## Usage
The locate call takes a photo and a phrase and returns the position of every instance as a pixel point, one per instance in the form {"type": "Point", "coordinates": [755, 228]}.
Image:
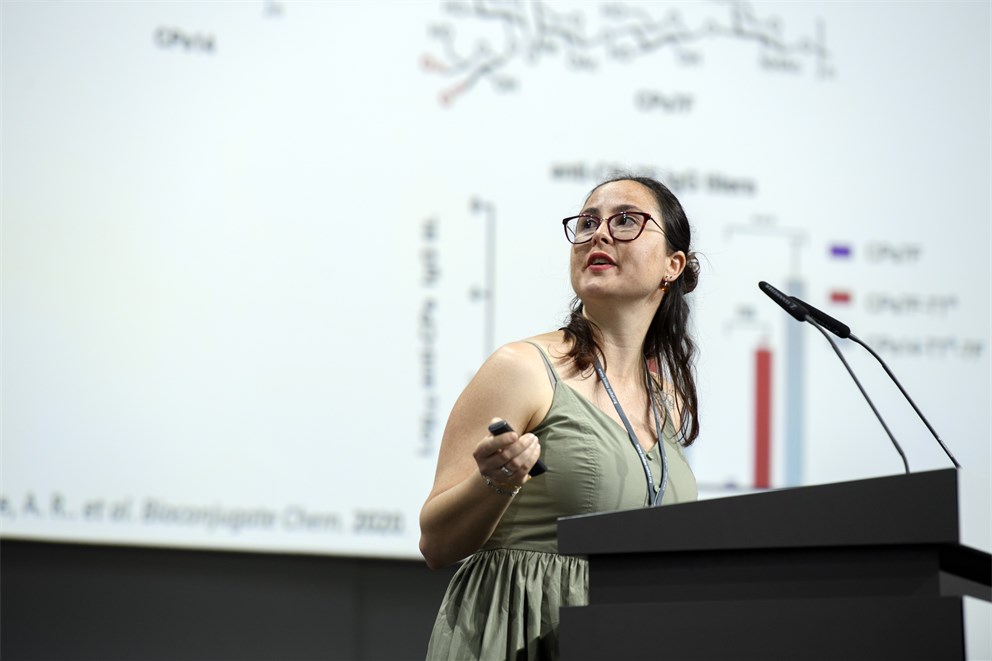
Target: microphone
{"type": "Point", "coordinates": [798, 309]}
{"type": "Point", "coordinates": [842, 331]}
{"type": "Point", "coordinates": [787, 303]}
{"type": "Point", "coordinates": [839, 329]}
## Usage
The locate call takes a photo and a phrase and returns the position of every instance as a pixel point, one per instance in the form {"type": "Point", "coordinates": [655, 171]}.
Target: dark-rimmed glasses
{"type": "Point", "coordinates": [624, 226]}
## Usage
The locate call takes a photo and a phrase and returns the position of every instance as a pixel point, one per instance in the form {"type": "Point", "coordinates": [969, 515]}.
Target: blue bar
{"type": "Point", "coordinates": [794, 392]}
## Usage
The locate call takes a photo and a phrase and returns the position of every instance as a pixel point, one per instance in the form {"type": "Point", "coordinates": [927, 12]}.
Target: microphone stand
{"type": "Point", "coordinates": [906, 395]}
{"type": "Point", "coordinates": [842, 331]}
{"type": "Point", "coordinates": [836, 349]}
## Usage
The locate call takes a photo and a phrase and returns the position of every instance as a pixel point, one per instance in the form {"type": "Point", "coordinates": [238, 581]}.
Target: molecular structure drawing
{"type": "Point", "coordinates": [481, 39]}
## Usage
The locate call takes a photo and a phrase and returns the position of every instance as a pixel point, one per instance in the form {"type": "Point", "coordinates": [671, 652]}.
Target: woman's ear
{"type": "Point", "coordinates": [674, 265]}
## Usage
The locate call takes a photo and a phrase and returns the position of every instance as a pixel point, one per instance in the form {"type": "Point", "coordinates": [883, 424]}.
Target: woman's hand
{"type": "Point", "coordinates": [508, 457]}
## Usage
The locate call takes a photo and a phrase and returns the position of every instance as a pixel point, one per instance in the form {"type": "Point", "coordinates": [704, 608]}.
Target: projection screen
{"type": "Point", "coordinates": [253, 251]}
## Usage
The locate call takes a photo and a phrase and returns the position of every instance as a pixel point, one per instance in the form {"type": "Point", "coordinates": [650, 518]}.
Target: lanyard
{"type": "Point", "coordinates": [654, 499]}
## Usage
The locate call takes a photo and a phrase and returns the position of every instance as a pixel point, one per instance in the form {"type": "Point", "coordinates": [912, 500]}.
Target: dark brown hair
{"type": "Point", "coordinates": [667, 340]}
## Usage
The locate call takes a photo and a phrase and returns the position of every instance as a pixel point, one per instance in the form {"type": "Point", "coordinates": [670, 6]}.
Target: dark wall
{"type": "Point", "coordinates": [70, 601]}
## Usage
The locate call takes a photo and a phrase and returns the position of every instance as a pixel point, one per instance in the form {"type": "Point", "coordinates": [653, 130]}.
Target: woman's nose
{"type": "Point", "coordinates": [602, 233]}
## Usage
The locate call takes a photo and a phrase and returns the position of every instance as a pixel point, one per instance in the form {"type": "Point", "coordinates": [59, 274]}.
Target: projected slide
{"type": "Point", "coordinates": [253, 251]}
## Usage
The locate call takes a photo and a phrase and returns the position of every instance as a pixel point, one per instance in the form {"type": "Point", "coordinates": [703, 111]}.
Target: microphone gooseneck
{"type": "Point", "coordinates": [842, 331]}
{"type": "Point", "coordinates": [800, 312]}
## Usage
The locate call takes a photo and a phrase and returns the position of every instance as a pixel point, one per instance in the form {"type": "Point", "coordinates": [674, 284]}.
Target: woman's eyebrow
{"type": "Point", "coordinates": [620, 208]}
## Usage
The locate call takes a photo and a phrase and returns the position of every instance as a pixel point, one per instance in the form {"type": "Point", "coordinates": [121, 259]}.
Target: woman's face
{"type": "Point", "coordinates": [604, 267]}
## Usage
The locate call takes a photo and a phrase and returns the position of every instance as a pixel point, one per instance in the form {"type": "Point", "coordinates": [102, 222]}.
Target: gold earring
{"type": "Point", "coordinates": [664, 285]}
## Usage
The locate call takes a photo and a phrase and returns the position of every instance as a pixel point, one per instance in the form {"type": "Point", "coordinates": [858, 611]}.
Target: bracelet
{"type": "Point", "coordinates": [510, 490]}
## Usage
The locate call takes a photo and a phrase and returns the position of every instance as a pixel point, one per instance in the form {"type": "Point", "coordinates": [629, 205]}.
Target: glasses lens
{"type": "Point", "coordinates": [627, 225]}
{"type": "Point", "coordinates": [581, 228]}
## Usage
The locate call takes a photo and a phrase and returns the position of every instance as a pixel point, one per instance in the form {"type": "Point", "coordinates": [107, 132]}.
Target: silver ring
{"type": "Point", "coordinates": [506, 471]}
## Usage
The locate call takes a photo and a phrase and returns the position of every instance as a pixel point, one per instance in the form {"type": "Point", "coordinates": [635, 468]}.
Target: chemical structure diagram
{"type": "Point", "coordinates": [482, 39]}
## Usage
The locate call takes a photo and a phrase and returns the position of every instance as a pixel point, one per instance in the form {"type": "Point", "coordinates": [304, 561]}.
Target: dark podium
{"type": "Point", "coordinates": [869, 569]}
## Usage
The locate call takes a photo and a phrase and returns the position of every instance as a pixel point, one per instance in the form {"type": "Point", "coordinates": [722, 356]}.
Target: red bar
{"type": "Point", "coordinates": [838, 296]}
{"type": "Point", "coordinates": [762, 418]}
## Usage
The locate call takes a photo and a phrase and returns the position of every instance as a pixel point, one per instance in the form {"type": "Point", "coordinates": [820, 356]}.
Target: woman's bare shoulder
{"type": "Point", "coordinates": [554, 345]}
{"type": "Point", "coordinates": [519, 359]}
{"type": "Point", "coordinates": [520, 367]}
{"type": "Point", "coordinates": [525, 351]}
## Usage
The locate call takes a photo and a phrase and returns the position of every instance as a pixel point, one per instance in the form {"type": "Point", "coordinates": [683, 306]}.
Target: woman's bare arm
{"type": "Point", "coordinates": [462, 511]}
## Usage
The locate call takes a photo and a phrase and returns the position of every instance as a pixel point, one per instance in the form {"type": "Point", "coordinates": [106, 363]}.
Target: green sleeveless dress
{"type": "Point", "coordinates": [503, 601]}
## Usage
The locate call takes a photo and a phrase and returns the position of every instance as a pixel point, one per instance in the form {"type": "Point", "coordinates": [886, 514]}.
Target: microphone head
{"type": "Point", "coordinates": [836, 327]}
{"type": "Point", "coordinates": [785, 302]}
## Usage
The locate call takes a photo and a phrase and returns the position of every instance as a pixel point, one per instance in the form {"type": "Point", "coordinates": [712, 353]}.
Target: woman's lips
{"type": "Point", "coordinates": [599, 261]}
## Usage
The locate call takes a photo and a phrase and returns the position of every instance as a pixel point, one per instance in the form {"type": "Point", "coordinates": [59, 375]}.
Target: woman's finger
{"type": "Point", "coordinates": [519, 455]}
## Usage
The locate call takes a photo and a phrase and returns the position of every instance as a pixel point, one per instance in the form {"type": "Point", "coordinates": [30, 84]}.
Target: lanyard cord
{"type": "Point", "coordinates": [654, 499]}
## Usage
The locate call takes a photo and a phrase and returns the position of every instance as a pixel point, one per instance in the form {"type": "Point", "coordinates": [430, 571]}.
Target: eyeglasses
{"type": "Point", "coordinates": [624, 226]}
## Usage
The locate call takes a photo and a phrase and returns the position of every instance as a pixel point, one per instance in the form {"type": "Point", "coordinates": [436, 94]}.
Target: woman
{"type": "Point", "coordinates": [607, 403]}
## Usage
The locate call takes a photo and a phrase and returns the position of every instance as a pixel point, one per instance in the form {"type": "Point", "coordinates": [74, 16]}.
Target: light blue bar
{"type": "Point", "coordinates": [794, 392]}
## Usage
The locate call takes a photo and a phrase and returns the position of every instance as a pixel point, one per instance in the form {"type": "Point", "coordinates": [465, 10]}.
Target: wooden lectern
{"type": "Point", "coordinates": [870, 569]}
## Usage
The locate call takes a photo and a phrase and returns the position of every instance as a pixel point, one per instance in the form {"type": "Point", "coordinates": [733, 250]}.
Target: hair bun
{"type": "Point", "coordinates": [690, 274]}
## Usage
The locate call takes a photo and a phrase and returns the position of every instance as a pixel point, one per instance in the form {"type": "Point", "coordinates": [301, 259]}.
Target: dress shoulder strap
{"type": "Point", "coordinates": [552, 374]}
